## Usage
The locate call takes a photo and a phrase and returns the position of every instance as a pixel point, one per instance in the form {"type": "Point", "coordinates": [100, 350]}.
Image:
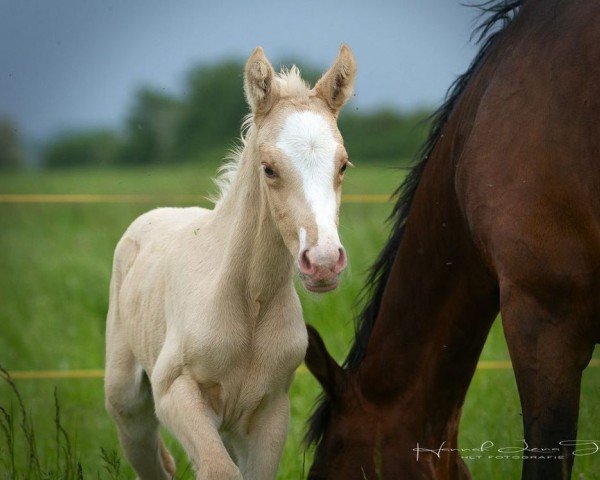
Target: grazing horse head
{"type": "Point", "coordinates": [349, 437]}
{"type": "Point", "coordinates": [302, 159]}
{"type": "Point", "coordinates": [360, 437]}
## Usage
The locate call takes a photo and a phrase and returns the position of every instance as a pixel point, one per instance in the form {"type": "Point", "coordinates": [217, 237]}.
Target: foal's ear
{"type": "Point", "coordinates": [322, 365]}
{"type": "Point", "coordinates": [260, 86]}
{"type": "Point", "coordinates": [337, 84]}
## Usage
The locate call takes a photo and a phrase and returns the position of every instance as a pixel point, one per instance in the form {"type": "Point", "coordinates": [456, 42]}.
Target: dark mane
{"type": "Point", "coordinates": [498, 14]}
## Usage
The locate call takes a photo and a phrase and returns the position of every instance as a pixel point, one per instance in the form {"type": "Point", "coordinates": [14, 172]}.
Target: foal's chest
{"type": "Point", "coordinates": [245, 355]}
{"type": "Point", "coordinates": [239, 369]}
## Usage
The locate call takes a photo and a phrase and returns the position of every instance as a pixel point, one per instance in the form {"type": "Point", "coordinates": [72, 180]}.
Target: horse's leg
{"type": "Point", "coordinates": [182, 408]}
{"type": "Point", "coordinates": [549, 346]}
{"type": "Point", "coordinates": [267, 431]}
{"type": "Point", "coordinates": [129, 402]}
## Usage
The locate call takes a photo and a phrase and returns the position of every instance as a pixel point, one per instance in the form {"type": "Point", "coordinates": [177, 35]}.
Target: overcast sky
{"type": "Point", "coordinates": [73, 63]}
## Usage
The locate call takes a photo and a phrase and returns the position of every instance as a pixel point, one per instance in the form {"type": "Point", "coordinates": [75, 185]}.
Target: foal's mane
{"type": "Point", "coordinates": [498, 14]}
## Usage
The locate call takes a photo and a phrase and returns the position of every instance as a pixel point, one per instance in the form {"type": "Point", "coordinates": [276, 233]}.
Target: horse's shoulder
{"type": "Point", "coordinates": [158, 227]}
{"type": "Point", "coordinates": [162, 222]}
{"type": "Point", "coordinates": [167, 217]}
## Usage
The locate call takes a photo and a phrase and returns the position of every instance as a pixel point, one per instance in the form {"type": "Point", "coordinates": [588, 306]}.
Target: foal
{"type": "Point", "coordinates": [205, 328]}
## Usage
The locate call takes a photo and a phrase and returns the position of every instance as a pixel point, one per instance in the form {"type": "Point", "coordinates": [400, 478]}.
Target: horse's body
{"type": "Point", "coordinates": [502, 214]}
{"type": "Point", "coordinates": [205, 328]}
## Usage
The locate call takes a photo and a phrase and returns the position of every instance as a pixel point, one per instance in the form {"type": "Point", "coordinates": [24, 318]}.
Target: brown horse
{"type": "Point", "coordinates": [502, 213]}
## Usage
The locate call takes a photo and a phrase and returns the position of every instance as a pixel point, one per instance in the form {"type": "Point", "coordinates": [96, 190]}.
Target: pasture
{"type": "Point", "coordinates": [55, 264]}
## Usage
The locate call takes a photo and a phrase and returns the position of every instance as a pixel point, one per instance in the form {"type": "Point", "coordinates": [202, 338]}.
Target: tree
{"type": "Point", "coordinates": [214, 107]}
{"type": "Point", "coordinates": [151, 128]}
{"type": "Point", "coordinates": [11, 152]}
{"type": "Point", "coordinates": [97, 147]}
{"type": "Point", "coordinates": [384, 134]}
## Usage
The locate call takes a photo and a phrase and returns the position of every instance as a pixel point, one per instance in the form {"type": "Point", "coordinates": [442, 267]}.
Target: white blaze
{"type": "Point", "coordinates": [302, 239]}
{"type": "Point", "coordinates": [306, 139]}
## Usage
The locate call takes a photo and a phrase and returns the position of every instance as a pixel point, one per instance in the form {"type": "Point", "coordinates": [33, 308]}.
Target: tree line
{"type": "Point", "coordinates": [162, 127]}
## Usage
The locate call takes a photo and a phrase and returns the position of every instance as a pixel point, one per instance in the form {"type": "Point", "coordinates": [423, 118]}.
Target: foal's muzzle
{"type": "Point", "coordinates": [320, 267]}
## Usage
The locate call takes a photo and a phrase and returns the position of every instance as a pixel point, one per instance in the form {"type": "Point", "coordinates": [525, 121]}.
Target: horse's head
{"type": "Point", "coordinates": [344, 434]}
{"type": "Point", "coordinates": [302, 159]}
{"type": "Point", "coordinates": [358, 437]}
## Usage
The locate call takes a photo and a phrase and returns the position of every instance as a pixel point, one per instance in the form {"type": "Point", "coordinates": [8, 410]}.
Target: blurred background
{"type": "Point", "coordinates": [108, 83]}
{"type": "Point", "coordinates": [111, 108]}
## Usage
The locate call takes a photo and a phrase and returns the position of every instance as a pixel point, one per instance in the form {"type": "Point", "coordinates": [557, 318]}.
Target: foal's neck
{"type": "Point", "coordinates": [256, 260]}
{"type": "Point", "coordinates": [434, 317]}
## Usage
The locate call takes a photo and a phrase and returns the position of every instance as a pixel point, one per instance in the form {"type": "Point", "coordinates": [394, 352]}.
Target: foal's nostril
{"type": "Point", "coordinates": [306, 266]}
{"type": "Point", "coordinates": [341, 262]}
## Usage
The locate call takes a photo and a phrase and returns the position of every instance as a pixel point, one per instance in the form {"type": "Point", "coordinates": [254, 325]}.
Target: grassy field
{"type": "Point", "coordinates": [54, 273]}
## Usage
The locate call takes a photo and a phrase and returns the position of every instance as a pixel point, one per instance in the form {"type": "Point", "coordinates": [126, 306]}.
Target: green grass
{"type": "Point", "coordinates": [54, 274]}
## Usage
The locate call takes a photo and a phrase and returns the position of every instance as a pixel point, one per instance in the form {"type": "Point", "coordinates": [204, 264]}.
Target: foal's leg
{"type": "Point", "coordinates": [550, 345]}
{"type": "Point", "coordinates": [180, 406]}
{"type": "Point", "coordinates": [266, 438]}
{"type": "Point", "coordinates": [129, 402]}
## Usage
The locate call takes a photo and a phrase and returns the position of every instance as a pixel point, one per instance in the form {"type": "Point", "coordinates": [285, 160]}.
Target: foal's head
{"type": "Point", "coordinates": [302, 159]}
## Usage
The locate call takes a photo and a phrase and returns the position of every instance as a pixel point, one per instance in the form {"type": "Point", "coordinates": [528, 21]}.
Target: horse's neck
{"type": "Point", "coordinates": [255, 259]}
{"type": "Point", "coordinates": [435, 314]}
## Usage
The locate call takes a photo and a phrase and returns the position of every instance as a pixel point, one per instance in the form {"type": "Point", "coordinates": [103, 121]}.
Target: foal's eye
{"type": "Point", "coordinates": [343, 168]}
{"type": "Point", "coordinates": [269, 172]}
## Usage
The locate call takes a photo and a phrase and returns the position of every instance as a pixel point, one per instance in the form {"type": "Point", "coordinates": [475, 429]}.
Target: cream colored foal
{"type": "Point", "coordinates": [205, 328]}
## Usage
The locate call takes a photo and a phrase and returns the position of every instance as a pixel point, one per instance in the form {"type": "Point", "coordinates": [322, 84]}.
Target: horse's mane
{"type": "Point", "coordinates": [498, 14]}
{"type": "Point", "coordinates": [291, 84]}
